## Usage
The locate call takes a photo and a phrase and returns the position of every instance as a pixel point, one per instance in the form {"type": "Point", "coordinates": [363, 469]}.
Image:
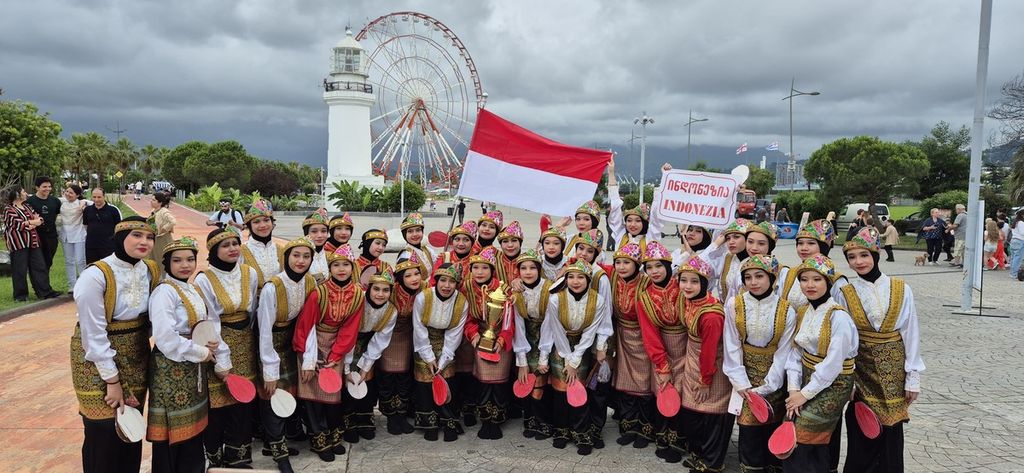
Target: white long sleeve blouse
{"type": "Point", "coordinates": [440, 318]}
{"type": "Point", "coordinates": [760, 327]}
{"type": "Point", "coordinates": [266, 315]}
{"type": "Point", "coordinates": [380, 340]}
{"type": "Point", "coordinates": [842, 346]}
{"type": "Point", "coordinates": [553, 334]}
{"type": "Point", "coordinates": [171, 330]}
{"type": "Point", "coordinates": [232, 282]}
{"type": "Point", "coordinates": [535, 301]}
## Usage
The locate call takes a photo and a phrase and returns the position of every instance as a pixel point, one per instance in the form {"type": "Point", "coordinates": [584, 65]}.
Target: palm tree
{"type": "Point", "coordinates": [1016, 180]}
{"type": "Point", "coordinates": [126, 154]}
{"type": "Point", "coordinates": [89, 153]}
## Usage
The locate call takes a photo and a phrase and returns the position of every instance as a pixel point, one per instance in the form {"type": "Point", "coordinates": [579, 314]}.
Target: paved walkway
{"type": "Point", "coordinates": [970, 416]}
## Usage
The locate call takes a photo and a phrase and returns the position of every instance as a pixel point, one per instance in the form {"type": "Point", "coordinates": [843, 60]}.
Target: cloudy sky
{"type": "Point", "coordinates": [576, 71]}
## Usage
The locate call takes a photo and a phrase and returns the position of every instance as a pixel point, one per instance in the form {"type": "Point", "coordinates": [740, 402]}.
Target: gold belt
{"type": "Point", "coordinates": [811, 361]}
{"type": "Point", "coordinates": [878, 338]}
{"type": "Point", "coordinates": [630, 324]}
{"type": "Point", "coordinates": [235, 317]}
{"type": "Point", "coordinates": [124, 326]}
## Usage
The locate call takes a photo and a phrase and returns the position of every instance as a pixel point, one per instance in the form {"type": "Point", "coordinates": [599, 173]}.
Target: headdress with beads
{"type": "Point", "coordinates": [453, 271]}
{"type": "Point", "coordinates": [739, 225]}
{"type": "Point", "coordinates": [319, 217]}
{"type": "Point", "coordinates": [643, 211]}
{"type": "Point", "coordinates": [591, 208]}
{"type": "Point", "coordinates": [820, 264]}
{"type": "Point", "coordinates": [226, 233]}
{"type": "Point", "coordinates": [867, 238]}
{"type": "Point", "coordinates": [819, 230]}
{"type": "Point", "coordinates": [512, 230]}
{"type": "Point", "coordinates": [697, 266]}
{"type": "Point", "coordinates": [412, 262]}
{"type": "Point", "coordinates": [767, 229]}
{"type": "Point", "coordinates": [593, 238]}
{"type": "Point", "coordinates": [495, 217]}
{"type": "Point", "coordinates": [529, 254]}
{"type": "Point", "coordinates": [553, 232]}
{"type": "Point", "coordinates": [374, 234]}
{"type": "Point", "coordinates": [259, 208]}
{"type": "Point", "coordinates": [343, 253]}
{"type": "Point", "coordinates": [386, 277]}
{"type": "Point", "coordinates": [766, 263]}
{"type": "Point", "coordinates": [343, 220]}
{"type": "Point", "coordinates": [299, 242]}
{"type": "Point", "coordinates": [130, 225]}
{"type": "Point", "coordinates": [468, 228]}
{"type": "Point", "coordinates": [656, 252]}
{"type": "Point", "coordinates": [183, 243]}
{"type": "Point", "coordinates": [578, 266]}
{"type": "Point", "coordinates": [414, 219]}
{"type": "Point", "coordinates": [487, 255]}
{"type": "Point", "coordinates": [630, 251]}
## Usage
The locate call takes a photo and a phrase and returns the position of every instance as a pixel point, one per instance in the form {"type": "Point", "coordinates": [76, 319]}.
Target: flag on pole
{"type": "Point", "coordinates": [742, 149]}
{"type": "Point", "coordinates": [508, 164]}
{"type": "Point", "coordinates": [774, 146]}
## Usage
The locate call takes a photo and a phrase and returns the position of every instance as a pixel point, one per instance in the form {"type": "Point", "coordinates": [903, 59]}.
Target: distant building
{"type": "Point", "coordinates": [789, 174]}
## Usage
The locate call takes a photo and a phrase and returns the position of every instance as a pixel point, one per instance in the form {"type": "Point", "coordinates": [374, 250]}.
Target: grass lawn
{"type": "Point", "coordinates": [58, 280]}
{"type": "Point", "coordinates": [897, 212]}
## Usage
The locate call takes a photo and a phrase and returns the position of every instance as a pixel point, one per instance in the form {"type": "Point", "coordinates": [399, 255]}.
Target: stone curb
{"type": "Point", "coordinates": [13, 313]}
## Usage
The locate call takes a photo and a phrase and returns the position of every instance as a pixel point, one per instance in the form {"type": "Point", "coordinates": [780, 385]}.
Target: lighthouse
{"type": "Point", "coordinates": [349, 97]}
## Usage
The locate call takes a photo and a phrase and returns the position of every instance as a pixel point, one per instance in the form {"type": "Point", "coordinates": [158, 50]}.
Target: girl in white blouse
{"type": "Point", "coordinates": [72, 232]}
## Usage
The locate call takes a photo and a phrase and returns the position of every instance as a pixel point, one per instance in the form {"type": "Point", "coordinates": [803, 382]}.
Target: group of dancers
{"type": "Point", "coordinates": [714, 323]}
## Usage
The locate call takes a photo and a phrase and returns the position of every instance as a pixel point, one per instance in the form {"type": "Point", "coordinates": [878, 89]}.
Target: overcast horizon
{"type": "Point", "coordinates": [575, 71]}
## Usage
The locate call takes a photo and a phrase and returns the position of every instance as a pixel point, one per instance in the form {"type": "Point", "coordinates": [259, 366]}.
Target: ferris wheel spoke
{"type": "Point", "coordinates": [463, 120]}
{"type": "Point", "coordinates": [384, 43]}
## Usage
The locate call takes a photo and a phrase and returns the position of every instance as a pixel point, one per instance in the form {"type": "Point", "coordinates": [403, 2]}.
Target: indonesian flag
{"type": "Point", "coordinates": [508, 164]}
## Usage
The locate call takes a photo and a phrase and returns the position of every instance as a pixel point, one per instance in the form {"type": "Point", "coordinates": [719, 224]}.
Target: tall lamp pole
{"type": "Point", "coordinates": [689, 128]}
{"type": "Point", "coordinates": [643, 121]}
{"type": "Point", "coordinates": [792, 154]}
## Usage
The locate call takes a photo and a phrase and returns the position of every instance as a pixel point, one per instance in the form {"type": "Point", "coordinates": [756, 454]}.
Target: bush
{"type": "Point", "coordinates": [798, 202]}
{"type": "Point", "coordinates": [273, 179]}
{"type": "Point", "coordinates": [944, 200]}
{"type": "Point", "coordinates": [206, 199]}
{"type": "Point", "coordinates": [633, 199]}
{"type": "Point", "coordinates": [415, 197]}
{"type": "Point", "coordinates": [352, 197]}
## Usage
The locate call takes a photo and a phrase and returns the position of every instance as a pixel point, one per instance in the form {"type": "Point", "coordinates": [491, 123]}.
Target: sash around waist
{"type": "Point", "coordinates": [812, 361]}
{"type": "Point", "coordinates": [128, 326]}
{"type": "Point", "coordinates": [877, 338]}
{"type": "Point", "coordinates": [234, 318]}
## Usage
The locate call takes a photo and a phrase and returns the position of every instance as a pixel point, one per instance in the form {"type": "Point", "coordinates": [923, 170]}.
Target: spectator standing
{"type": "Point", "coordinates": [72, 232]}
{"type": "Point", "coordinates": [22, 238]}
{"type": "Point", "coordinates": [890, 237]}
{"type": "Point", "coordinates": [993, 238]}
{"type": "Point", "coordinates": [959, 227]}
{"type": "Point", "coordinates": [932, 230]}
{"type": "Point", "coordinates": [99, 220]}
{"type": "Point", "coordinates": [948, 240]}
{"type": "Point", "coordinates": [45, 205]}
{"type": "Point", "coordinates": [1016, 243]}
{"type": "Point", "coordinates": [762, 215]}
{"type": "Point", "coordinates": [165, 222]}
{"type": "Point", "coordinates": [782, 216]}
{"type": "Point", "coordinates": [461, 210]}
{"type": "Point", "coordinates": [138, 190]}
{"type": "Point", "coordinates": [831, 219]}
{"type": "Point", "coordinates": [225, 217]}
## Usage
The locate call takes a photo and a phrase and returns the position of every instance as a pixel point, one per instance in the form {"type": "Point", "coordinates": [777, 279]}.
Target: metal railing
{"type": "Point", "coordinates": [347, 85]}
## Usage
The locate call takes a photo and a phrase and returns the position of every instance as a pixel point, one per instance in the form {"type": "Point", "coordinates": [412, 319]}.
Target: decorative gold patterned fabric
{"type": "Point", "coordinates": [758, 360]}
{"type": "Point", "coordinates": [177, 408]}
{"type": "Point", "coordinates": [130, 339]}
{"type": "Point", "coordinates": [244, 362]}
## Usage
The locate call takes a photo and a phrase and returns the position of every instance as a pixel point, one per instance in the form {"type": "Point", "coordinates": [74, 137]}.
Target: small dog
{"type": "Point", "coordinates": [921, 260]}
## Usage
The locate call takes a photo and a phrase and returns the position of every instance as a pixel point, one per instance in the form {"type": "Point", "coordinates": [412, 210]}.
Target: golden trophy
{"type": "Point", "coordinates": [488, 346]}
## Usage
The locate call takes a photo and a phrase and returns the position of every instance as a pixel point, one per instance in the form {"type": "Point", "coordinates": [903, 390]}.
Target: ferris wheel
{"type": "Point", "coordinates": [427, 96]}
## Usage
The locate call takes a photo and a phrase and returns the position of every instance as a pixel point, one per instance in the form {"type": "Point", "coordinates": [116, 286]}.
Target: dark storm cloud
{"type": "Point", "coordinates": [577, 71]}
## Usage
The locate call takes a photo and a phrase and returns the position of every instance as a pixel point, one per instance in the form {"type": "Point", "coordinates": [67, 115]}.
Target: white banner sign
{"type": "Point", "coordinates": [697, 198]}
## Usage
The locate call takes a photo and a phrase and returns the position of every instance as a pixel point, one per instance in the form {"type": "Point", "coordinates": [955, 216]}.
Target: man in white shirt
{"type": "Point", "coordinates": [226, 216]}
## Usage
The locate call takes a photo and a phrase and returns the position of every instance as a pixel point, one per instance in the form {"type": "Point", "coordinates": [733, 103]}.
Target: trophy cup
{"type": "Point", "coordinates": [488, 346]}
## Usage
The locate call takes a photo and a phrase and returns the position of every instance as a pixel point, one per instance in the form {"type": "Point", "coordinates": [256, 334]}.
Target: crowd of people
{"type": "Point", "coordinates": [34, 226]}
{"type": "Point", "coordinates": [681, 346]}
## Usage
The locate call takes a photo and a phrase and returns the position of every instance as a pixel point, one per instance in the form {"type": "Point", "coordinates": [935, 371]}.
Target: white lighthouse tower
{"type": "Point", "coordinates": [349, 98]}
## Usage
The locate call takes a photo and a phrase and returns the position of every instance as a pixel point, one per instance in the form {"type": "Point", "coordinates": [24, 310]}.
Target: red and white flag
{"type": "Point", "coordinates": [508, 164]}
{"type": "Point", "coordinates": [742, 149]}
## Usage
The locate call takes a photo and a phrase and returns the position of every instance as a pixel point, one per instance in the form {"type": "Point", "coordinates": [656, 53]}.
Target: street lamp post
{"type": "Point", "coordinates": [792, 155]}
{"type": "Point", "coordinates": [689, 128]}
{"type": "Point", "coordinates": [643, 121]}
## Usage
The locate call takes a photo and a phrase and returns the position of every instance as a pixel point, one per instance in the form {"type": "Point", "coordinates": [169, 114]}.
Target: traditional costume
{"type": "Point", "coordinates": [506, 265]}
{"type": "Point", "coordinates": [758, 339]}
{"type": "Point", "coordinates": [889, 360]}
{"type": "Point", "coordinates": [822, 233]}
{"type": "Point", "coordinates": [489, 394]}
{"type": "Point", "coordinates": [452, 256]}
{"type": "Point", "coordinates": [821, 367]}
{"type": "Point", "coordinates": [663, 332]}
{"type": "Point", "coordinates": [110, 346]}
{"type": "Point", "coordinates": [495, 219]}
{"type": "Point", "coordinates": [375, 329]}
{"type": "Point", "coordinates": [318, 269]}
{"type": "Point", "coordinates": [367, 258]}
{"type": "Point", "coordinates": [769, 230]}
{"type": "Point", "coordinates": [530, 310]}
{"type": "Point", "coordinates": [632, 379]}
{"type": "Point", "coordinates": [281, 300]}
{"type": "Point", "coordinates": [600, 390]}
{"type": "Point", "coordinates": [394, 371]}
{"type": "Point", "coordinates": [438, 324]}
{"type": "Point", "coordinates": [338, 221]}
{"type": "Point", "coordinates": [707, 425]}
{"type": "Point", "coordinates": [230, 291]}
{"type": "Point", "coordinates": [592, 212]}
{"type": "Point", "coordinates": [178, 396]}
{"type": "Point", "coordinates": [725, 264]}
{"type": "Point", "coordinates": [570, 330]}
{"type": "Point", "coordinates": [326, 330]}
{"type": "Point", "coordinates": [261, 253]}
{"type": "Point", "coordinates": [651, 230]}
{"type": "Point", "coordinates": [552, 266]}
{"type": "Point", "coordinates": [422, 251]}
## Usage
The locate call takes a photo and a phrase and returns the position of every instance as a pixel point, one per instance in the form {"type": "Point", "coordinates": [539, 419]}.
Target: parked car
{"type": "Point", "coordinates": [911, 223]}
{"type": "Point", "coordinates": [848, 214]}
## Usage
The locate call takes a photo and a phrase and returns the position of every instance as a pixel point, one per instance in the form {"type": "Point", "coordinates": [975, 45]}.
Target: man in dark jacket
{"type": "Point", "coordinates": [99, 220]}
{"type": "Point", "coordinates": [47, 206]}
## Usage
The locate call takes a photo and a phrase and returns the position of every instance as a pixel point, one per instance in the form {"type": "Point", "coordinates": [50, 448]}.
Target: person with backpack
{"type": "Point", "coordinates": [226, 216]}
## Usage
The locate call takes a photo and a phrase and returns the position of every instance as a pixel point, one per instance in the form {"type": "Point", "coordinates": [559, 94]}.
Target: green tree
{"type": "Point", "coordinates": [174, 163]}
{"type": "Point", "coordinates": [702, 165]}
{"type": "Point", "coordinates": [415, 197]}
{"type": "Point", "coordinates": [944, 200]}
{"type": "Point", "coordinates": [88, 154]}
{"type": "Point", "coordinates": [948, 157]}
{"type": "Point", "coordinates": [30, 142]}
{"type": "Point", "coordinates": [760, 181]}
{"type": "Point", "coordinates": [1016, 178]}
{"type": "Point", "coordinates": [273, 178]}
{"type": "Point", "coordinates": [633, 198]}
{"type": "Point", "coordinates": [865, 168]}
{"type": "Point", "coordinates": [225, 162]}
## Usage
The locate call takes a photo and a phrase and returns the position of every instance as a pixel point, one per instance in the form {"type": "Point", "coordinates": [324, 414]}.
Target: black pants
{"type": "Point", "coordinates": [430, 416]}
{"type": "Point", "coordinates": [597, 407]}
{"type": "Point", "coordinates": [670, 433]}
{"type": "Point", "coordinates": [182, 457]}
{"type": "Point", "coordinates": [708, 436]}
{"type": "Point", "coordinates": [636, 414]}
{"type": "Point", "coordinates": [96, 253]}
{"type": "Point", "coordinates": [326, 424]}
{"type": "Point", "coordinates": [492, 402]}
{"type": "Point", "coordinates": [569, 423]}
{"type": "Point", "coordinates": [29, 262]}
{"type": "Point", "coordinates": [537, 413]}
{"type": "Point", "coordinates": [274, 427]}
{"type": "Point", "coordinates": [465, 391]}
{"type": "Point", "coordinates": [103, 451]}
{"type": "Point", "coordinates": [888, 253]}
{"type": "Point", "coordinates": [395, 392]}
{"type": "Point", "coordinates": [48, 243]}
{"type": "Point", "coordinates": [230, 428]}
{"type": "Point", "coordinates": [807, 459]}
{"type": "Point", "coordinates": [880, 455]}
{"type": "Point", "coordinates": [358, 413]}
{"type": "Point", "coordinates": [753, 447]}
{"type": "Point", "coordinates": [934, 249]}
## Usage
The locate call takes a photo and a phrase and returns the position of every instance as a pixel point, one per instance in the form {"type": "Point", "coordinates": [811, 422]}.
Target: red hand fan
{"type": "Point", "coordinates": [488, 356]}
{"type": "Point", "coordinates": [521, 390]}
{"type": "Point", "coordinates": [437, 239]}
{"type": "Point", "coordinates": [759, 407]}
{"type": "Point", "coordinates": [329, 380]}
{"type": "Point", "coordinates": [783, 440]}
{"type": "Point", "coordinates": [867, 420]}
{"type": "Point", "coordinates": [240, 388]}
{"type": "Point", "coordinates": [668, 400]}
{"type": "Point", "coordinates": [440, 388]}
{"type": "Point", "coordinates": [576, 394]}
